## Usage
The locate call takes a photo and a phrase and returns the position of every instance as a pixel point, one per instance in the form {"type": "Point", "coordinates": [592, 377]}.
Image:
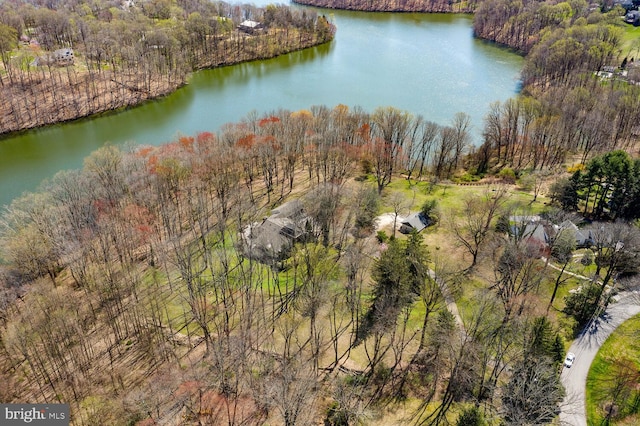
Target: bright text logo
{"type": "Point", "coordinates": [36, 414]}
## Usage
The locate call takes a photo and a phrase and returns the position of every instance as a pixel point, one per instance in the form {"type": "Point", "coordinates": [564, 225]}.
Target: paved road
{"type": "Point", "coordinates": [586, 347]}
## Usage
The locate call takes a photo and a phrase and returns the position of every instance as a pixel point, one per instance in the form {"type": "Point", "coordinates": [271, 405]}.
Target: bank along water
{"type": "Point", "coordinates": [427, 64]}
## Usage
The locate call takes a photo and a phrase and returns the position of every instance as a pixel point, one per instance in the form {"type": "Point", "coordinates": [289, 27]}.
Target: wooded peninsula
{"type": "Point", "coordinates": [335, 265]}
{"type": "Point", "coordinates": [72, 60]}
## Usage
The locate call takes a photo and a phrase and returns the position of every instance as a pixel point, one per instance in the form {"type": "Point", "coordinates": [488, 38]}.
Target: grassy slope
{"type": "Point", "coordinates": [622, 344]}
{"type": "Point", "coordinates": [631, 42]}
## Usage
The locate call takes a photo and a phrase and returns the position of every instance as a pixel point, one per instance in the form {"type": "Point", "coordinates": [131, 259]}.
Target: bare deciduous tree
{"type": "Point", "coordinates": [476, 225]}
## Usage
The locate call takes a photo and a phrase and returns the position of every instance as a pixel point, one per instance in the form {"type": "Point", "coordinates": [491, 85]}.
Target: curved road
{"type": "Point", "coordinates": [586, 347]}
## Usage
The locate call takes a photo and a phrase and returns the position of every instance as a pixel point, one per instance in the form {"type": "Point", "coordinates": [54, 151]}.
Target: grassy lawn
{"type": "Point", "coordinates": [439, 240]}
{"type": "Point", "coordinates": [451, 196]}
{"type": "Point", "coordinates": [631, 42]}
{"type": "Point", "coordinates": [615, 372]}
{"type": "Point", "coordinates": [468, 297]}
{"type": "Point", "coordinates": [576, 266]}
{"type": "Point", "coordinates": [447, 254]}
{"type": "Point", "coordinates": [563, 290]}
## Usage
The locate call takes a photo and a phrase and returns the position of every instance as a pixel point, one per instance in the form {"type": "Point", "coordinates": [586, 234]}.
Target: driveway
{"type": "Point", "coordinates": [586, 347]}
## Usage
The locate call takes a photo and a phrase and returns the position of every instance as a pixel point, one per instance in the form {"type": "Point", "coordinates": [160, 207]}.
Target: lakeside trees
{"type": "Point", "coordinates": [539, 132]}
{"type": "Point", "coordinates": [566, 106]}
{"type": "Point", "coordinates": [396, 5]}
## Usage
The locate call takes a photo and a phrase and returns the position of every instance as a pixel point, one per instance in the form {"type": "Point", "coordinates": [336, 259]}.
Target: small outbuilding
{"type": "Point", "coordinates": [250, 27]}
{"type": "Point", "coordinates": [416, 221]}
{"type": "Point", "coordinates": [60, 57]}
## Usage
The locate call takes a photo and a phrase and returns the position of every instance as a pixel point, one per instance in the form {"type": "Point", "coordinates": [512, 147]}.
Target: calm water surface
{"type": "Point", "coordinates": [425, 64]}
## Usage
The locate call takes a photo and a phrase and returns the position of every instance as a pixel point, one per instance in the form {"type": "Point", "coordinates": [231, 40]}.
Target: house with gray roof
{"type": "Point", "coordinates": [534, 231]}
{"type": "Point", "coordinates": [542, 232]}
{"type": "Point", "coordinates": [271, 240]}
{"type": "Point", "coordinates": [416, 221]}
{"type": "Point", "coordinates": [583, 238]}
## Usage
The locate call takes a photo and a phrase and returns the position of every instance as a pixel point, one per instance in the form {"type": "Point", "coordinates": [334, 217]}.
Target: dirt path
{"type": "Point", "coordinates": [551, 265]}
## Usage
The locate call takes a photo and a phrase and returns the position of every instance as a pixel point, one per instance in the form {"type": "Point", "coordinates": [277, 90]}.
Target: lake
{"type": "Point", "coordinates": [427, 64]}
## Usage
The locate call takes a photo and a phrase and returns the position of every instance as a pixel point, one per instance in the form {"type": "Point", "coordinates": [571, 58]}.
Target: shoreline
{"type": "Point", "coordinates": [114, 96]}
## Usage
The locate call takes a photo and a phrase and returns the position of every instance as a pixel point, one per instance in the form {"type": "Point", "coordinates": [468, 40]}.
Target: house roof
{"type": "Point", "coordinates": [269, 239]}
{"type": "Point", "coordinates": [266, 239]}
{"type": "Point", "coordinates": [581, 236]}
{"type": "Point", "coordinates": [535, 230]}
{"type": "Point", "coordinates": [526, 218]}
{"type": "Point", "coordinates": [416, 221]}
{"type": "Point", "coordinates": [250, 24]}
{"type": "Point", "coordinates": [292, 209]}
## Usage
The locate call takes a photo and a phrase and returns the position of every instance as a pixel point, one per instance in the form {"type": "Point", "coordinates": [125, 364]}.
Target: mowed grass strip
{"type": "Point", "coordinates": [615, 374]}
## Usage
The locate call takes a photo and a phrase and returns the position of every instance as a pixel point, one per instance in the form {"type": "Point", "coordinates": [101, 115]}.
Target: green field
{"type": "Point", "coordinates": [614, 379]}
{"type": "Point", "coordinates": [631, 42]}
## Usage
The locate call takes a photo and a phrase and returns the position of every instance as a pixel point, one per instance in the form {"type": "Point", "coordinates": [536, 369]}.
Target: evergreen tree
{"type": "Point", "coordinates": [399, 275]}
{"type": "Point", "coordinates": [471, 417]}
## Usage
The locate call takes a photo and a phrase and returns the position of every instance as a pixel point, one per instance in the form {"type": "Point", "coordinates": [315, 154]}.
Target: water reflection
{"type": "Point", "coordinates": [239, 75]}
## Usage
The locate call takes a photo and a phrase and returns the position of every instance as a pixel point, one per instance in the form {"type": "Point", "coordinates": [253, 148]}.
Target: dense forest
{"type": "Point", "coordinates": [150, 286]}
{"type": "Point", "coordinates": [65, 60]}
